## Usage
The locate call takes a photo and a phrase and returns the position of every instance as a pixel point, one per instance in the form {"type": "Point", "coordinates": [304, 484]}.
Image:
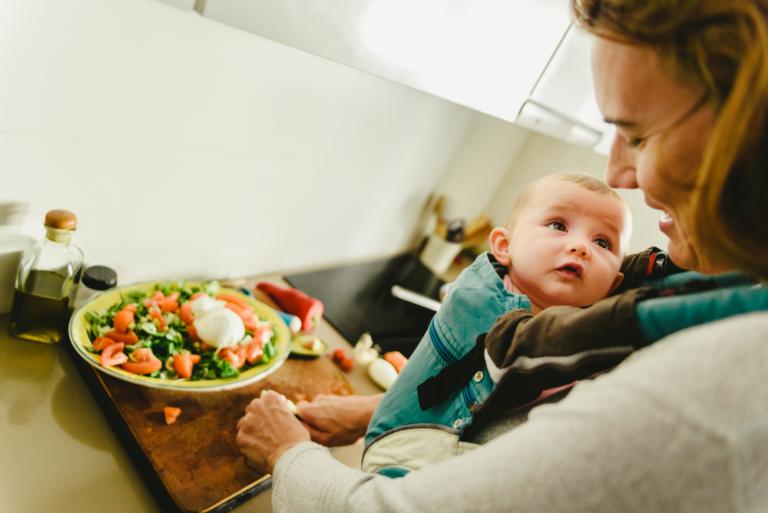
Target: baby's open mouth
{"type": "Point", "coordinates": [574, 270]}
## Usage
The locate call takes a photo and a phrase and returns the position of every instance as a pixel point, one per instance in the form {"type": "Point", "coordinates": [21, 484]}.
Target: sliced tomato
{"type": "Point", "coordinates": [233, 355]}
{"type": "Point", "coordinates": [129, 337]}
{"type": "Point", "coordinates": [183, 363]}
{"type": "Point", "coordinates": [346, 364]}
{"type": "Point", "coordinates": [254, 350]}
{"type": "Point", "coordinates": [197, 295]}
{"type": "Point", "coordinates": [239, 301]}
{"type": "Point", "coordinates": [186, 314]}
{"type": "Point", "coordinates": [251, 325]}
{"type": "Point", "coordinates": [113, 355]}
{"type": "Point", "coordinates": [131, 307]}
{"type": "Point", "coordinates": [192, 332]}
{"type": "Point", "coordinates": [338, 354]}
{"type": "Point", "coordinates": [158, 319]}
{"type": "Point", "coordinates": [143, 361]}
{"type": "Point", "coordinates": [245, 314]}
{"type": "Point", "coordinates": [169, 305]}
{"type": "Point", "coordinates": [101, 343]}
{"type": "Point", "coordinates": [262, 331]}
{"type": "Point", "coordinates": [171, 413]}
{"type": "Point", "coordinates": [122, 320]}
{"type": "Point", "coordinates": [155, 299]}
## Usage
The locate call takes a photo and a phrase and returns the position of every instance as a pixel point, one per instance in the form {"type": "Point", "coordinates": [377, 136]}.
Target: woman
{"type": "Point", "coordinates": [681, 425]}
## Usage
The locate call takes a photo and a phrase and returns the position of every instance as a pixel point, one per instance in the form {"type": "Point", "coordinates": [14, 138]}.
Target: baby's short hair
{"type": "Point", "coordinates": [586, 181]}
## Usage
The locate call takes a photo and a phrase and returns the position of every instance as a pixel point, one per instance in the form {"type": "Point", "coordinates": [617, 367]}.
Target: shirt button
{"type": "Point", "coordinates": [478, 376]}
{"type": "Point", "coordinates": [457, 423]}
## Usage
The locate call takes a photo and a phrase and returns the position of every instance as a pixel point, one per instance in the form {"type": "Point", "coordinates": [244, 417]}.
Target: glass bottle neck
{"type": "Point", "coordinates": [56, 235]}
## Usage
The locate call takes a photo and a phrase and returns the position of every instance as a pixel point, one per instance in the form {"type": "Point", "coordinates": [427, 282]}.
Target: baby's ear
{"type": "Point", "coordinates": [616, 282]}
{"type": "Point", "coordinates": [498, 240]}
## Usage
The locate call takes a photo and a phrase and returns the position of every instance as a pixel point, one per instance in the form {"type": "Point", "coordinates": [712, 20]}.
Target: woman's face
{"type": "Point", "coordinates": [662, 127]}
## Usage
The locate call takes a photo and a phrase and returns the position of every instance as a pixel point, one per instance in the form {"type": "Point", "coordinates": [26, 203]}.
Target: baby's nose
{"type": "Point", "coordinates": [579, 248]}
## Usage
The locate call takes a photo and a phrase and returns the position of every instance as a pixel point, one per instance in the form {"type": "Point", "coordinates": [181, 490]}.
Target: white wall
{"type": "Point", "coordinates": [191, 149]}
{"type": "Point", "coordinates": [483, 160]}
{"type": "Point", "coordinates": [540, 155]}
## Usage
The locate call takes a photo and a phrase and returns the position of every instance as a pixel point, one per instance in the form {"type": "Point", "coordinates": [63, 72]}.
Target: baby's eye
{"type": "Point", "coordinates": [603, 243]}
{"type": "Point", "coordinates": [557, 225]}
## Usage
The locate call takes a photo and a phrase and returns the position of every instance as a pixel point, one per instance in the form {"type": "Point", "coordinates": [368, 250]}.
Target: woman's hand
{"type": "Point", "coordinates": [334, 420]}
{"type": "Point", "coordinates": [267, 430]}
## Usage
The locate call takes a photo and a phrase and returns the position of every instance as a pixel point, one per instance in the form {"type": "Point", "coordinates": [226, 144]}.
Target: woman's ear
{"type": "Point", "coordinates": [498, 240]}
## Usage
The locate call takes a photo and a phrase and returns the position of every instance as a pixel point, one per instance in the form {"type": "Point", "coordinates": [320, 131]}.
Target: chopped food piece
{"type": "Point", "coordinates": [236, 356]}
{"type": "Point", "coordinates": [382, 373]}
{"type": "Point", "coordinates": [171, 414]}
{"type": "Point", "coordinates": [101, 343]}
{"type": "Point", "coordinates": [186, 314]}
{"type": "Point", "coordinates": [346, 364]}
{"type": "Point", "coordinates": [123, 320]}
{"type": "Point", "coordinates": [113, 355]}
{"type": "Point", "coordinates": [312, 344]}
{"type": "Point", "coordinates": [183, 363]}
{"type": "Point", "coordinates": [364, 351]}
{"type": "Point", "coordinates": [397, 359]}
{"type": "Point", "coordinates": [142, 361]}
{"type": "Point", "coordinates": [129, 337]}
{"type": "Point", "coordinates": [338, 354]}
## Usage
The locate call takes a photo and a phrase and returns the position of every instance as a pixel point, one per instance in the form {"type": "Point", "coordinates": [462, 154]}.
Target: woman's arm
{"type": "Point", "coordinates": [334, 420]}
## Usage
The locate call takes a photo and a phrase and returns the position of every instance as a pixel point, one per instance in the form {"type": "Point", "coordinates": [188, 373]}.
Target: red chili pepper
{"type": "Point", "coordinates": [294, 301]}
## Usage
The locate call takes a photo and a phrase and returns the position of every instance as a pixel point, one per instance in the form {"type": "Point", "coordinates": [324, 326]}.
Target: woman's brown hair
{"type": "Point", "coordinates": [722, 45]}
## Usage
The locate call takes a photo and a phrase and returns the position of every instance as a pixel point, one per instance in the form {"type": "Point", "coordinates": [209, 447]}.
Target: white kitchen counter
{"type": "Point", "coordinates": [59, 453]}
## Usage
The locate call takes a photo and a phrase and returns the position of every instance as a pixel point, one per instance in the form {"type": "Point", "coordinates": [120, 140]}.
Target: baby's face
{"type": "Point", "coordinates": [566, 246]}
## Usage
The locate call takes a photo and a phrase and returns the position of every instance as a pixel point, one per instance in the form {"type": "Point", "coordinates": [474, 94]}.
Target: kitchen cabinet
{"type": "Point", "coordinates": [562, 104]}
{"type": "Point", "coordinates": [519, 61]}
{"type": "Point", "coordinates": [483, 55]}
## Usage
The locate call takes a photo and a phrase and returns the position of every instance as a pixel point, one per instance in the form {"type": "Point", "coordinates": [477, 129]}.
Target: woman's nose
{"type": "Point", "coordinates": [620, 170]}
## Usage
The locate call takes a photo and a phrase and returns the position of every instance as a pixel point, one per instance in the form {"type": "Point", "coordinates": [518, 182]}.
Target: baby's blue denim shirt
{"type": "Point", "coordinates": [475, 300]}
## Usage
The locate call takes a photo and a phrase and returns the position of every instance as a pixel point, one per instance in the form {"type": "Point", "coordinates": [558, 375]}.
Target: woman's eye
{"type": "Point", "coordinates": [557, 225]}
{"type": "Point", "coordinates": [603, 243]}
{"type": "Point", "coordinates": [635, 142]}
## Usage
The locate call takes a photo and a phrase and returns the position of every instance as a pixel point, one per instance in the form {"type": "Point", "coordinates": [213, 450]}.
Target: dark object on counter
{"type": "Point", "coordinates": [100, 277]}
{"type": "Point", "coordinates": [358, 298]}
{"type": "Point", "coordinates": [96, 278]}
{"type": "Point", "coordinates": [455, 231]}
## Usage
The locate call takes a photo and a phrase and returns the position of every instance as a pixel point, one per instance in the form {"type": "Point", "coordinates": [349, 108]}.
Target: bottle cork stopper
{"type": "Point", "coordinates": [61, 219]}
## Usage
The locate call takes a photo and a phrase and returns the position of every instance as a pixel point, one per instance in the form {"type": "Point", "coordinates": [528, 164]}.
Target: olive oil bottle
{"type": "Point", "coordinates": [46, 281]}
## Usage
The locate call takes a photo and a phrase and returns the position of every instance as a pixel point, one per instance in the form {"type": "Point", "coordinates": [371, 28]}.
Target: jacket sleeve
{"type": "Point", "coordinates": [566, 339]}
{"type": "Point", "coordinates": [639, 268]}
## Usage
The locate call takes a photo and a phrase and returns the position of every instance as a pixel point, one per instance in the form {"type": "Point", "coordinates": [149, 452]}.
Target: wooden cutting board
{"type": "Point", "coordinates": [194, 465]}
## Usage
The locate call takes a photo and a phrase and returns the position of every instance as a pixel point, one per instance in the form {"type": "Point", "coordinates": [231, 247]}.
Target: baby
{"type": "Point", "coordinates": [563, 245]}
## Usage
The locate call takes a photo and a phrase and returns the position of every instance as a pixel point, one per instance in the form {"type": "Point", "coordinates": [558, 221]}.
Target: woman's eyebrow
{"type": "Point", "coordinates": [620, 122]}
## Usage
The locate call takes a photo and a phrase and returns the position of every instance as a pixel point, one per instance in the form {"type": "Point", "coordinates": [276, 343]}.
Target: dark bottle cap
{"type": "Point", "coordinates": [99, 277]}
